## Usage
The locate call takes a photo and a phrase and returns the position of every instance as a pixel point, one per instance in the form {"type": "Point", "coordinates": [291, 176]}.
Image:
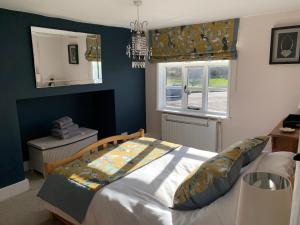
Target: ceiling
{"type": "Point", "coordinates": [159, 13]}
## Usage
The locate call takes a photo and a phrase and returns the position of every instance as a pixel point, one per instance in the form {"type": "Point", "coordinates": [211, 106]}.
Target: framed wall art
{"type": "Point", "coordinates": [73, 54]}
{"type": "Point", "coordinates": [285, 45]}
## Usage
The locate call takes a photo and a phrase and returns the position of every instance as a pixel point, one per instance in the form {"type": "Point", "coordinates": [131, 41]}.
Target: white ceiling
{"type": "Point", "coordinates": [159, 13]}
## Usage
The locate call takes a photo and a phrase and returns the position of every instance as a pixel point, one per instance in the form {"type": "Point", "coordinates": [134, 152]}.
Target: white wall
{"type": "Point", "coordinates": [261, 94]}
{"type": "Point", "coordinates": [153, 117]}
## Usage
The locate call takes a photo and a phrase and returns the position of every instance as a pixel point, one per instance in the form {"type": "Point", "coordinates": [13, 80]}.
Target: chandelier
{"type": "Point", "coordinates": [137, 49]}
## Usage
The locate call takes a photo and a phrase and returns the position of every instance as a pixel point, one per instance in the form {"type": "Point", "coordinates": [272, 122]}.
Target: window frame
{"type": "Point", "coordinates": [203, 112]}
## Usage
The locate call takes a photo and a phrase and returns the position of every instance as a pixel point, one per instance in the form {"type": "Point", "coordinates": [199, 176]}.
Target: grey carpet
{"type": "Point", "coordinates": [26, 208]}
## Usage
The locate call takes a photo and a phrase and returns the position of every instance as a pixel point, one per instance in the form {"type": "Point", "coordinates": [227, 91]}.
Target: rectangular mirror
{"type": "Point", "coordinates": [63, 58]}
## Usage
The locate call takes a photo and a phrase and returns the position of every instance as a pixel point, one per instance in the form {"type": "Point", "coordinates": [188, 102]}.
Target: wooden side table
{"type": "Point", "coordinates": [284, 141]}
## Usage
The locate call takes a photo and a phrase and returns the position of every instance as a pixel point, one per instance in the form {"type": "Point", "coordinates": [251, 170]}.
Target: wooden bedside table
{"type": "Point", "coordinates": [284, 141]}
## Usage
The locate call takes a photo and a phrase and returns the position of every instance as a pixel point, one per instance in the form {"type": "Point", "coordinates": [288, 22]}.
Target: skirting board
{"type": "Point", "coordinates": [14, 189]}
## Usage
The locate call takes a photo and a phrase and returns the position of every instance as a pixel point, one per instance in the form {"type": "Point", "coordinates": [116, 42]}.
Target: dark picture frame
{"type": "Point", "coordinates": [73, 54]}
{"type": "Point", "coordinates": [285, 45]}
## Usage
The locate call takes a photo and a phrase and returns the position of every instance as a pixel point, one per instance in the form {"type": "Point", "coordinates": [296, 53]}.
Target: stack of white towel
{"type": "Point", "coordinates": [64, 128]}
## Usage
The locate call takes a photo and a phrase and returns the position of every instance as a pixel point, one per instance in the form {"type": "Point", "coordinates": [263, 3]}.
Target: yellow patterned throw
{"type": "Point", "coordinates": [216, 176]}
{"type": "Point", "coordinates": [96, 170]}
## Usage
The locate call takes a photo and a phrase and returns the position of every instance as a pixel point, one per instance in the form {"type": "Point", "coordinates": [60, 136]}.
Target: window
{"type": "Point", "coordinates": [194, 87]}
{"type": "Point", "coordinates": [95, 67]}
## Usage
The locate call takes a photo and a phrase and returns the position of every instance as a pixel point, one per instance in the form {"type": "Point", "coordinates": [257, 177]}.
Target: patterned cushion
{"type": "Point", "coordinates": [252, 148]}
{"type": "Point", "coordinates": [210, 181]}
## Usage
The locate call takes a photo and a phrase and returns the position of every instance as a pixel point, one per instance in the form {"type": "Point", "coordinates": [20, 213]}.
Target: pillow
{"type": "Point", "coordinates": [211, 180]}
{"type": "Point", "coordinates": [281, 163]}
{"type": "Point", "coordinates": [251, 148]}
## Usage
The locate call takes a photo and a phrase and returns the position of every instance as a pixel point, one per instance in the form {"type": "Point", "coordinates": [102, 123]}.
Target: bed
{"type": "Point", "coordinates": [145, 196]}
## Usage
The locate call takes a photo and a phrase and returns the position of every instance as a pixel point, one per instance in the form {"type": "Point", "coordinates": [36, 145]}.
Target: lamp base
{"type": "Point", "coordinates": [265, 199]}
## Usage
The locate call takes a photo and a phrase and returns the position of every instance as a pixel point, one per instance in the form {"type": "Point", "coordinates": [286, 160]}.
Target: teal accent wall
{"type": "Point", "coordinates": [17, 81]}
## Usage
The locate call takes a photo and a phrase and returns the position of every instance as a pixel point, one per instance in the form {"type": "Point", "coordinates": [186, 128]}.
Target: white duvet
{"type": "Point", "coordinates": [145, 196]}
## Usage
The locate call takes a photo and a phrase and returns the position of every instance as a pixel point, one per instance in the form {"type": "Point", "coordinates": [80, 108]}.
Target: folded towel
{"type": "Point", "coordinates": [68, 135]}
{"type": "Point", "coordinates": [63, 126]}
{"type": "Point", "coordinates": [62, 121]}
{"type": "Point", "coordinates": [64, 131]}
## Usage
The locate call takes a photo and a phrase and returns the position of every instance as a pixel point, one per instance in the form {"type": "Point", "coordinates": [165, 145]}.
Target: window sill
{"type": "Point", "coordinates": [194, 114]}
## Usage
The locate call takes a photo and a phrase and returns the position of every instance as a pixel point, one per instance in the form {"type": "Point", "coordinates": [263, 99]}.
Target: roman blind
{"type": "Point", "coordinates": [205, 41]}
{"type": "Point", "coordinates": [93, 48]}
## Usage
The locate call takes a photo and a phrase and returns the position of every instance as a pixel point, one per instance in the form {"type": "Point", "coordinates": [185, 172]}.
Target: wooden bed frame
{"type": "Point", "coordinates": [101, 144]}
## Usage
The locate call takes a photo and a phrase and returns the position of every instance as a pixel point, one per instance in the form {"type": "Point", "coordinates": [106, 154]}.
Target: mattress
{"type": "Point", "coordinates": [145, 196]}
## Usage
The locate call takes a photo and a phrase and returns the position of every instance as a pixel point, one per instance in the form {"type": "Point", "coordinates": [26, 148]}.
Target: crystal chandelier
{"type": "Point", "coordinates": [137, 49]}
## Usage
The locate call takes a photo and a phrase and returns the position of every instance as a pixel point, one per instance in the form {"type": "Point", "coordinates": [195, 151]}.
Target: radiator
{"type": "Point", "coordinates": [190, 131]}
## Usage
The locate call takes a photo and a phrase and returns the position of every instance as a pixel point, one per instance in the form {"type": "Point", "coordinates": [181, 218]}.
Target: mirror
{"type": "Point", "coordinates": [63, 58]}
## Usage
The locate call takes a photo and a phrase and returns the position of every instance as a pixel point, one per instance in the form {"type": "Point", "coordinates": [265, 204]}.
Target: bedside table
{"type": "Point", "coordinates": [284, 141]}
